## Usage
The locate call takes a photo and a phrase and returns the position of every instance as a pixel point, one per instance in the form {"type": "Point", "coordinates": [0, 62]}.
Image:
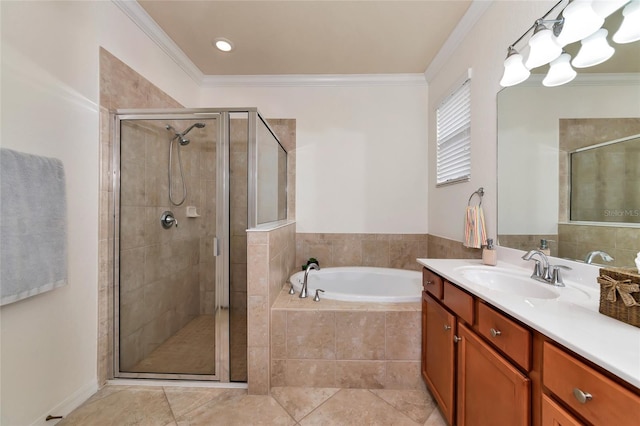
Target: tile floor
{"type": "Point", "coordinates": [182, 406]}
{"type": "Point", "coordinates": [190, 351]}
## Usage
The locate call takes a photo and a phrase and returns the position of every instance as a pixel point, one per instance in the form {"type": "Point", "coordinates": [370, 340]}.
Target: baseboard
{"type": "Point", "coordinates": [69, 404]}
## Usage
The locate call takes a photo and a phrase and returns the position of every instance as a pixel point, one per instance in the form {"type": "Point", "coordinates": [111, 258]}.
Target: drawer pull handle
{"type": "Point", "coordinates": [429, 282]}
{"type": "Point", "coordinates": [456, 339]}
{"type": "Point", "coordinates": [447, 327]}
{"type": "Point", "coordinates": [494, 332]}
{"type": "Point", "coordinates": [582, 397]}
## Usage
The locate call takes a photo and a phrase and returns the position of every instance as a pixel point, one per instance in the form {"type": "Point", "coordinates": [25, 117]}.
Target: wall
{"type": "Point", "coordinates": [484, 50]}
{"type": "Point", "coordinates": [50, 107]}
{"type": "Point", "coordinates": [361, 153]}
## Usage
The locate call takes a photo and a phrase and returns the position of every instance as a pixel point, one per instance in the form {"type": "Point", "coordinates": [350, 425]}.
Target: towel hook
{"type": "Point", "coordinates": [479, 193]}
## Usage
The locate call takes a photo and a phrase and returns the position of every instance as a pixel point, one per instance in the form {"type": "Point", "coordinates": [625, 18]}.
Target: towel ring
{"type": "Point", "coordinates": [479, 193]}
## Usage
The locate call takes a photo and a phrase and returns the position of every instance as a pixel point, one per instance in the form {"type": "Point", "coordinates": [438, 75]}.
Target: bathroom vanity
{"type": "Point", "coordinates": [499, 348]}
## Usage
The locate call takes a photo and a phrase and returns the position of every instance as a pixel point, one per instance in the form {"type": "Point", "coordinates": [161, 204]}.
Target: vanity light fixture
{"type": "Point", "coordinates": [629, 30]}
{"type": "Point", "coordinates": [514, 70]}
{"type": "Point", "coordinates": [223, 44]}
{"type": "Point", "coordinates": [560, 72]}
{"type": "Point", "coordinates": [576, 20]}
{"type": "Point", "coordinates": [594, 50]}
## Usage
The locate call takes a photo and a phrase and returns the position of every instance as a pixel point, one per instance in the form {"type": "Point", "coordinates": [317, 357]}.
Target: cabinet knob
{"type": "Point", "coordinates": [428, 282]}
{"type": "Point", "coordinates": [456, 339]}
{"type": "Point", "coordinates": [494, 332]}
{"type": "Point", "coordinates": [582, 397]}
{"type": "Point", "coordinates": [447, 327]}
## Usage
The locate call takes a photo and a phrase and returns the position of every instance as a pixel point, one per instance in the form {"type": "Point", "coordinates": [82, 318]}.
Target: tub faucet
{"type": "Point", "coordinates": [303, 292]}
{"type": "Point", "coordinates": [605, 256]}
{"type": "Point", "coordinates": [540, 272]}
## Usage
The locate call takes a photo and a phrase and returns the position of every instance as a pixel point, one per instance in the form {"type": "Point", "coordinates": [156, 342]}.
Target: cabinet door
{"type": "Point", "coordinates": [438, 353]}
{"type": "Point", "coordinates": [491, 391]}
{"type": "Point", "coordinates": [554, 415]}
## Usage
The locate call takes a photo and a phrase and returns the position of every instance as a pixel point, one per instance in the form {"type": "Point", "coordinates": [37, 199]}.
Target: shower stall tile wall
{"type": "Point", "coordinates": [120, 87]}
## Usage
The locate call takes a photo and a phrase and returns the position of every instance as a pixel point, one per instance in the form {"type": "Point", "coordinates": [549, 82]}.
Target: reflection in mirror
{"type": "Point", "coordinates": [271, 176]}
{"type": "Point", "coordinates": [537, 129]}
{"type": "Point", "coordinates": [604, 182]}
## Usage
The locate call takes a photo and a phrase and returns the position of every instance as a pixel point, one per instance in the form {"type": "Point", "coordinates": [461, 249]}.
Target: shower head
{"type": "Point", "coordinates": [181, 135]}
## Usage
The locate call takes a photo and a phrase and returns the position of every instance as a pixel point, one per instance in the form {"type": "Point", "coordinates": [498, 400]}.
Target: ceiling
{"type": "Point", "coordinates": [309, 37]}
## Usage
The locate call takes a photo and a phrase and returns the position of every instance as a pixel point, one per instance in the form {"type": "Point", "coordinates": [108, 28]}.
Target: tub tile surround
{"type": "Point", "coordinates": [270, 261]}
{"type": "Point", "coordinates": [345, 344]}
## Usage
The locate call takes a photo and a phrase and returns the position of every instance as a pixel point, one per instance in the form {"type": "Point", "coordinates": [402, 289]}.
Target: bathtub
{"type": "Point", "coordinates": [362, 284]}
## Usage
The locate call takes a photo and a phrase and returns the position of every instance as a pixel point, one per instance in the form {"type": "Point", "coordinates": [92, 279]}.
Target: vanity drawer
{"type": "Point", "coordinates": [432, 283]}
{"type": "Point", "coordinates": [458, 301]}
{"type": "Point", "coordinates": [506, 335]}
{"type": "Point", "coordinates": [567, 378]}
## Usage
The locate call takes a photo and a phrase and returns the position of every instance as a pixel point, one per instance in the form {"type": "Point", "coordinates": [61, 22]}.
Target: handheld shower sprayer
{"type": "Point", "coordinates": [180, 136]}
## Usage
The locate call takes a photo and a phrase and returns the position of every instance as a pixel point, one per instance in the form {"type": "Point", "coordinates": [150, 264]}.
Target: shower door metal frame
{"type": "Point", "coordinates": [222, 235]}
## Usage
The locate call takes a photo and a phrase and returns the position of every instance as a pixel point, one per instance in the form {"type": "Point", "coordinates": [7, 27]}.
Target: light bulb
{"type": "Point", "coordinates": [594, 50]}
{"type": "Point", "coordinates": [514, 70]}
{"type": "Point", "coordinates": [580, 21]}
{"type": "Point", "coordinates": [629, 30]}
{"type": "Point", "coordinates": [560, 72]}
{"type": "Point", "coordinates": [604, 8]}
{"type": "Point", "coordinates": [542, 47]}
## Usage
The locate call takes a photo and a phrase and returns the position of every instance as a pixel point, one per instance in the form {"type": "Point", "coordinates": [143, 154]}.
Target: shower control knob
{"type": "Point", "coordinates": [168, 220]}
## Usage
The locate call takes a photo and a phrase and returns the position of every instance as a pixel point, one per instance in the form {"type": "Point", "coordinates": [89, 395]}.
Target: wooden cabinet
{"type": "Point", "coordinates": [596, 398]}
{"type": "Point", "coordinates": [555, 415]}
{"type": "Point", "coordinates": [509, 337]}
{"type": "Point", "coordinates": [438, 354]}
{"type": "Point", "coordinates": [483, 367]}
{"type": "Point", "coordinates": [491, 391]}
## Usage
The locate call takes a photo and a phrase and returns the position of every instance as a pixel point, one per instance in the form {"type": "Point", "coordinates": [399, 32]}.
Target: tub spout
{"type": "Point", "coordinates": [303, 292]}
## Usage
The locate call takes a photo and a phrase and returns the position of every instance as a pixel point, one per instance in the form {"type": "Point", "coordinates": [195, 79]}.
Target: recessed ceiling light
{"type": "Point", "coordinates": [223, 44]}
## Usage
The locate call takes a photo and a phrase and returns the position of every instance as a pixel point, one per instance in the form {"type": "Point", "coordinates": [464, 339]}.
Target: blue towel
{"type": "Point", "coordinates": [33, 225]}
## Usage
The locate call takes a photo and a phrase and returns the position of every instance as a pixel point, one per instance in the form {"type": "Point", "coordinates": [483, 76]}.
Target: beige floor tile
{"type": "Point", "coordinates": [436, 419]}
{"type": "Point", "coordinates": [132, 406]}
{"type": "Point", "coordinates": [183, 400]}
{"type": "Point", "coordinates": [356, 407]}
{"type": "Point", "coordinates": [301, 401]}
{"type": "Point", "coordinates": [416, 404]}
{"type": "Point", "coordinates": [241, 411]}
{"type": "Point", "coordinates": [190, 351]}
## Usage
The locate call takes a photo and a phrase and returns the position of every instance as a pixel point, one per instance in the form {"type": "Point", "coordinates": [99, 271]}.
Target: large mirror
{"type": "Point", "coordinates": [538, 130]}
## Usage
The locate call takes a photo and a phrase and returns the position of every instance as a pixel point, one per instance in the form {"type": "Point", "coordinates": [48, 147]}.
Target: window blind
{"type": "Point", "coordinates": [453, 122]}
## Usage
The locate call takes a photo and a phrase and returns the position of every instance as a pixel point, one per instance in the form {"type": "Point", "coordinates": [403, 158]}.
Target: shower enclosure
{"type": "Point", "coordinates": [189, 183]}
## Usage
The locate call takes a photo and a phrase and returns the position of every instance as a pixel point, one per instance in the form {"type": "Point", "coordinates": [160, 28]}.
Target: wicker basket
{"type": "Point", "coordinates": [620, 294]}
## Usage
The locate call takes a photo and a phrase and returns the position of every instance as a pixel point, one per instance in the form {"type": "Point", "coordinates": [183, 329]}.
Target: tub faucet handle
{"type": "Point", "coordinates": [291, 289]}
{"type": "Point", "coordinates": [316, 298]}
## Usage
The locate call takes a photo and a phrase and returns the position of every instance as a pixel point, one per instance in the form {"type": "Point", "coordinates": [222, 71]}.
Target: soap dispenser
{"type": "Point", "coordinates": [489, 253]}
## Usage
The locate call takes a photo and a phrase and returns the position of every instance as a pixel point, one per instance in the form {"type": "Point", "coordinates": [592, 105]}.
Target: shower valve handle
{"type": "Point", "coordinates": [168, 220]}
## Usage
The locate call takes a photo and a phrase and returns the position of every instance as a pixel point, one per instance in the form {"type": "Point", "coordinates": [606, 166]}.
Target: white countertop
{"type": "Point", "coordinates": [572, 319]}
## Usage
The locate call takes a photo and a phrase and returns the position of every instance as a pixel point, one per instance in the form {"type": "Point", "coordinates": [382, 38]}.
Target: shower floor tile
{"type": "Point", "coordinates": [190, 351]}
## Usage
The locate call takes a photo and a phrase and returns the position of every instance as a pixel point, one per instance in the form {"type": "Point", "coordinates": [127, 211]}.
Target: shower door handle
{"type": "Point", "coordinates": [216, 250]}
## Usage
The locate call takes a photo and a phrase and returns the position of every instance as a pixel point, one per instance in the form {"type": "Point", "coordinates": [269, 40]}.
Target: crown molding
{"type": "Point", "coordinates": [141, 18]}
{"type": "Point", "coordinates": [588, 79]}
{"type": "Point", "coordinates": [314, 80]}
{"type": "Point", "coordinates": [475, 11]}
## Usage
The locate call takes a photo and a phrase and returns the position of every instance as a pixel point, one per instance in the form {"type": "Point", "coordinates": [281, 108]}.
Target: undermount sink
{"type": "Point", "coordinates": [508, 282]}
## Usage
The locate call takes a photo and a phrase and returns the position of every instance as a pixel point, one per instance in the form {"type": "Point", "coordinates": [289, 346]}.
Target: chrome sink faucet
{"type": "Point", "coordinates": [303, 292]}
{"type": "Point", "coordinates": [605, 256]}
{"type": "Point", "coordinates": [543, 271]}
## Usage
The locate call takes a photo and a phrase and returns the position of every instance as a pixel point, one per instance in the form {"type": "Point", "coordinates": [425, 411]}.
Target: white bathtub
{"type": "Point", "coordinates": [362, 284]}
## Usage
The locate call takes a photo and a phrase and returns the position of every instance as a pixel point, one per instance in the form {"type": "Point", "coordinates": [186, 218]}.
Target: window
{"type": "Point", "coordinates": [453, 123]}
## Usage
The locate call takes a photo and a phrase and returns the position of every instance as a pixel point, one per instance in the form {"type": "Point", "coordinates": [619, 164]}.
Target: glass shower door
{"type": "Point", "coordinates": [167, 221]}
